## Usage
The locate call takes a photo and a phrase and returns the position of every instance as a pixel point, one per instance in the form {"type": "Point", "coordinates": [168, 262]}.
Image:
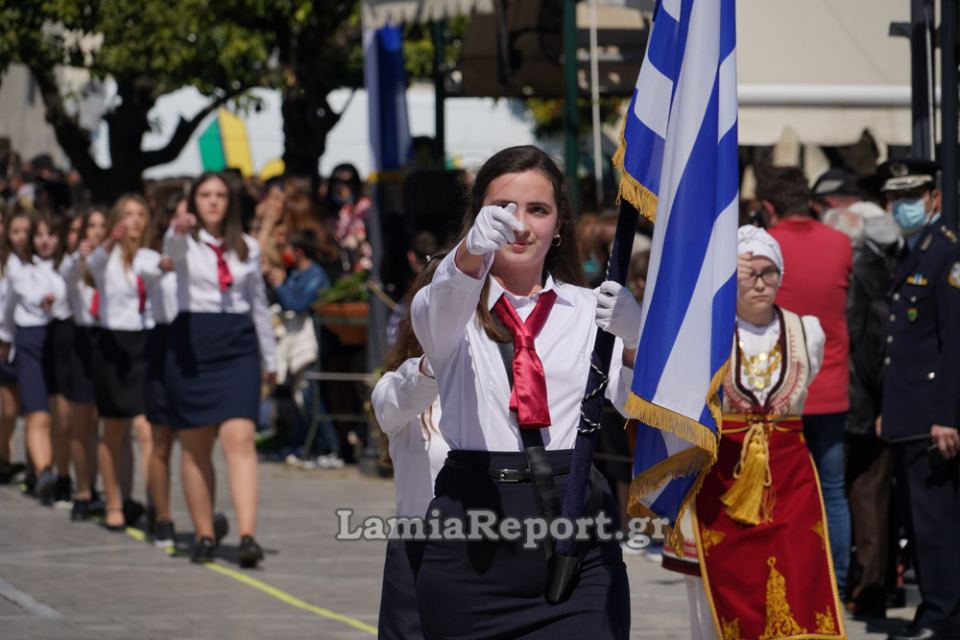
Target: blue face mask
{"type": "Point", "coordinates": [910, 215]}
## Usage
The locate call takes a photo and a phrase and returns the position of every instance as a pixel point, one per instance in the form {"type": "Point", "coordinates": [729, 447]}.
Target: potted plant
{"type": "Point", "coordinates": [343, 309]}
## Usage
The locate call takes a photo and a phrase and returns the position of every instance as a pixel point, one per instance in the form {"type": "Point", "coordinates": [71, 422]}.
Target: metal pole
{"type": "Point", "coordinates": [921, 78]}
{"type": "Point", "coordinates": [570, 91]}
{"type": "Point", "coordinates": [439, 33]}
{"type": "Point", "coordinates": [948, 108]}
{"type": "Point", "coordinates": [595, 107]}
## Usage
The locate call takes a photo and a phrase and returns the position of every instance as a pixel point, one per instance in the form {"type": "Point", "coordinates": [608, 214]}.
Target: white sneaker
{"type": "Point", "coordinates": [329, 461]}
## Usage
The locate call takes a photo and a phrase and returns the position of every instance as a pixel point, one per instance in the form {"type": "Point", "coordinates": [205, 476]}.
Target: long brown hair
{"type": "Point", "coordinates": [82, 235]}
{"type": "Point", "coordinates": [16, 211]}
{"type": "Point", "coordinates": [232, 222]}
{"type": "Point", "coordinates": [129, 246]}
{"type": "Point", "coordinates": [563, 259]}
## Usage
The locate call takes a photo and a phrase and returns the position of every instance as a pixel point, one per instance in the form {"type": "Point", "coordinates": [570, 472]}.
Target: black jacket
{"type": "Point", "coordinates": [874, 266]}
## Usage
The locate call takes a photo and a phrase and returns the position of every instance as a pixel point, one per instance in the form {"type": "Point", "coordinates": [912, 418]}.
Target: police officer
{"type": "Point", "coordinates": [921, 395]}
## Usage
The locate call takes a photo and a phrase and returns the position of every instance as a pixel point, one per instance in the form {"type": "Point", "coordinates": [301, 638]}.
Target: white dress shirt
{"type": "Point", "coordinates": [407, 408]}
{"type": "Point", "coordinates": [198, 286]}
{"type": "Point", "coordinates": [474, 390]}
{"type": "Point", "coordinates": [7, 303]}
{"type": "Point", "coordinates": [79, 293]}
{"type": "Point", "coordinates": [29, 285]}
{"type": "Point", "coordinates": [161, 287]}
{"type": "Point", "coordinates": [119, 294]}
{"type": "Point", "coordinates": [755, 340]}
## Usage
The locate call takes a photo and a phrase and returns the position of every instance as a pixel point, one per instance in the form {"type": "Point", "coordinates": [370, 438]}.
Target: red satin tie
{"type": "Point", "coordinates": [142, 294]}
{"type": "Point", "coordinates": [95, 304]}
{"type": "Point", "coordinates": [223, 269]}
{"type": "Point", "coordinates": [529, 396]}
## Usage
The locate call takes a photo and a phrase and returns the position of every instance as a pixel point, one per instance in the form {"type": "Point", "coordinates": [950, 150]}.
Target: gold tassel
{"type": "Point", "coordinates": [748, 501]}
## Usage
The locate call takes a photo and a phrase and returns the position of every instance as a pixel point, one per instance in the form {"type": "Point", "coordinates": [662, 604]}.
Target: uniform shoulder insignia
{"type": "Point", "coordinates": [951, 236]}
{"type": "Point", "coordinates": [954, 278]}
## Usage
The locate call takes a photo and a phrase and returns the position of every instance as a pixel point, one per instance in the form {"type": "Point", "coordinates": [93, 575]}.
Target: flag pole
{"type": "Point", "coordinates": [565, 563]}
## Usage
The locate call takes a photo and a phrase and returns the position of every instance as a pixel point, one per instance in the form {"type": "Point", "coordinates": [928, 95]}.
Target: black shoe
{"type": "Point", "coordinates": [80, 510]}
{"type": "Point", "coordinates": [164, 535]}
{"type": "Point", "coordinates": [250, 552]}
{"type": "Point", "coordinates": [29, 486]}
{"type": "Point", "coordinates": [132, 512]}
{"type": "Point", "coordinates": [917, 633]}
{"type": "Point", "coordinates": [97, 506]}
{"type": "Point", "coordinates": [62, 493]}
{"type": "Point", "coordinates": [202, 551]}
{"type": "Point", "coordinates": [46, 486]}
{"type": "Point", "coordinates": [221, 527]}
{"type": "Point", "coordinates": [151, 517]}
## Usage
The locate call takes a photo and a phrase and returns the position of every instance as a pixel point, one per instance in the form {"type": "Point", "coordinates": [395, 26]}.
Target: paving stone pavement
{"type": "Point", "coordinates": [65, 580]}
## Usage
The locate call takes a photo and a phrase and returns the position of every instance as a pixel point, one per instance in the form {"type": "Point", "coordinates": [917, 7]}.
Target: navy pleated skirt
{"type": "Point", "coordinates": [118, 372]}
{"type": "Point", "coordinates": [495, 589]}
{"type": "Point", "coordinates": [212, 369]}
{"type": "Point", "coordinates": [156, 404]}
{"type": "Point", "coordinates": [34, 372]}
{"type": "Point", "coordinates": [78, 387]}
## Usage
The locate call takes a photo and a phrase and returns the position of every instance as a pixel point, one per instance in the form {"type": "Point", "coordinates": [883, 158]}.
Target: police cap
{"type": "Point", "coordinates": [906, 174]}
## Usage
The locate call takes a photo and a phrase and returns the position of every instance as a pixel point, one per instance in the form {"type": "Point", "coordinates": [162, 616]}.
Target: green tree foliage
{"type": "Point", "coordinates": [149, 49]}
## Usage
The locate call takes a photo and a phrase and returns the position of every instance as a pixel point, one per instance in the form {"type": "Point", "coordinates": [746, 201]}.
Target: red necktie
{"type": "Point", "coordinates": [529, 396]}
{"type": "Point", "coordinates": [95, 304]}
{"type": "Point", "coordinates": [142, 294]}
{"type": "Point", "coordinates": [223, 269]}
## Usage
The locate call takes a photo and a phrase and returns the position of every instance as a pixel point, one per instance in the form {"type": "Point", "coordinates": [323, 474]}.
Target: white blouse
{"type": "Point", "coordinates": [474, 390]}
{"type": "Point", "coordinates": [119, 293]}
{"type": "Point", "coordinates": [407, 408]}
{"type": "Point", "coordinates": [756, 340]}
{"type": "Point", "coordinates": [161, 288]}
{"type": "Point", "coordinates": [29, 285]}
{"type": "Point", "coordinates": [79, 293]}
{"type": "Point", "coordinates": [198, 285]}
{"type": "Point", "coordinates": [6, 310]}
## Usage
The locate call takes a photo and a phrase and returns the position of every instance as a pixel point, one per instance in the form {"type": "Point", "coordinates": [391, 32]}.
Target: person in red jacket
{"type": "Point", "coordinates": [821, 261]}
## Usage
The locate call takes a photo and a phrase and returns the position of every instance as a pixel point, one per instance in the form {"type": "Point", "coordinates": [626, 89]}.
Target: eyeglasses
{"type": "Point", "coordinates": [770, 277]}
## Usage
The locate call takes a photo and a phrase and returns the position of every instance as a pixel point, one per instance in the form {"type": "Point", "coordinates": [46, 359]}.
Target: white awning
{"type": "Point", "coordinates": [377, 13]}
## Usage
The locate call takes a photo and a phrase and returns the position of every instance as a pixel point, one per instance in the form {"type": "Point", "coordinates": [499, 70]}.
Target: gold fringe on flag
{"type": "Point", "coordinates": [636, 194]}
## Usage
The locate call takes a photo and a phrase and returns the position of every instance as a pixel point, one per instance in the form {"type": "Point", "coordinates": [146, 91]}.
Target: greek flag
{"type": "Point", "coordinates": [679, 162]}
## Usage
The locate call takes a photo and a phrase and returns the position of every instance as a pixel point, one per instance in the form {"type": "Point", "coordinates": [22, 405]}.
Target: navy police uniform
{"type": "Point", "coordinates": [921, 389]}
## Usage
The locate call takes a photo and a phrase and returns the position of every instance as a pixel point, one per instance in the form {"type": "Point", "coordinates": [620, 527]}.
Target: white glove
{"type": "Point", "coordinates": [618, 313]}
{"type": "Point", "coordinates": [494, 228]}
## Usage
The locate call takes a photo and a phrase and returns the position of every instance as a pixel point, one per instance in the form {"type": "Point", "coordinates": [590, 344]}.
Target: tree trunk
{"type": "Point", "coordinates": [307, 120]}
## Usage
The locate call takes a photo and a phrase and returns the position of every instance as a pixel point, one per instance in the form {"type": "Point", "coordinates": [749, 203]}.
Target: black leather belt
{"type": "Point", "coordinates": [505, 476]}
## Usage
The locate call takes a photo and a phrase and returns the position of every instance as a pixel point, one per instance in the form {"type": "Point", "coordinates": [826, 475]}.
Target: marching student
{"type": "Point", "coordinates": [37, 296]}
{"type": "Point", "coordinates": [79, 391]}
{"type": "Point", "coordinates": [15, 242]}
{"type": "Point", "coordinates": [407, 409]}
{"type": "Point", "coordinates": [515, 277]}
{"type": "Point", "coordinates": [217, 347]}
{"type": "Point", "coordinates": [161, 284]}
{"type": "Point", "coordinates": [118, 354]}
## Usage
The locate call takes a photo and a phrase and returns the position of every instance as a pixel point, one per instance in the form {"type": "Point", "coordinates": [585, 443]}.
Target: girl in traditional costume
{"type": "Point", "coordinates": [756, 546]}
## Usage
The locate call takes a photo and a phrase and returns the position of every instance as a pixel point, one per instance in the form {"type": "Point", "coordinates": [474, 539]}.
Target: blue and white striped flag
{"type": "Point", "coordinates": [679, 163]}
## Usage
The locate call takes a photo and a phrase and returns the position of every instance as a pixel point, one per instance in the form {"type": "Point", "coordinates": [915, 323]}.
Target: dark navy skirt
{"type": "Point", "coordinates": [156, 405]}
{"type": "Point", "coordinates": [118, 372]}
{"type": "Point", "coordinates": [79, 385]}
{"type": "Point", "coordinates": [495, 589]}
{"type": "Point", "coordinates": [8, 373]}
{"type": "Point", "coordinates": [34, 372]}
{"type": "Point", "coordinates": [399, 619]}
{"type": "Point", "coordinates": [212, 369]}
{"type": "Point", "coordinates": [59, 344]}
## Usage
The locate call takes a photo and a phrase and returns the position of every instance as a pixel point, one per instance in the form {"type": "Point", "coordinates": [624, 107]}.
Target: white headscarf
{"type": "Point", "coordinates": [760, 243]}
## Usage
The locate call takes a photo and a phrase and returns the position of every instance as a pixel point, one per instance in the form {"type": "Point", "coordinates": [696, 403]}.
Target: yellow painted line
{"type": "Point", "coordinates": [270, 590]}
{"type": "Point", "coordinates": [291, 600]}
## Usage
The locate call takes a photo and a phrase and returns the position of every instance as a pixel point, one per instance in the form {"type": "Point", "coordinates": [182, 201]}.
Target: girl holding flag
{"type": "Point", "coordinates": [515, 277]}
{"type": "Point", "coordinates": [221, 337]}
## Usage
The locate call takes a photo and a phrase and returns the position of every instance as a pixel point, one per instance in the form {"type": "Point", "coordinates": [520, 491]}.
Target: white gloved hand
{"type": "Point", "coordinates": [618, 313]}
{"type": "Point", "coordinates": [494, 228]}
